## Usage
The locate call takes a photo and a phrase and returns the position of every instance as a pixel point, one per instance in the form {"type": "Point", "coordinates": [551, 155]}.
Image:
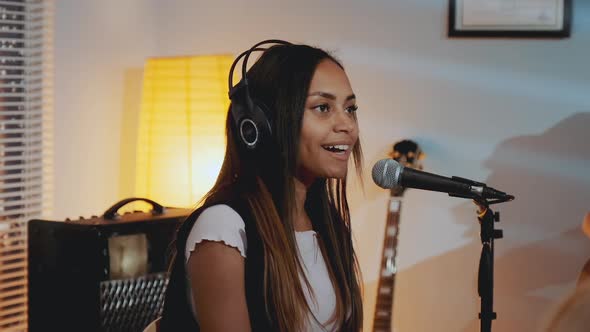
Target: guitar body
{"type": "Point", "coordinates": [408, 154]}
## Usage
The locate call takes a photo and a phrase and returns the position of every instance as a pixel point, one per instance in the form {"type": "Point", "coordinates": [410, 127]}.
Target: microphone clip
{"type": "Point", "coordinates": [480, 191]}
{"type": "Point", "coordinates": [468, 182]}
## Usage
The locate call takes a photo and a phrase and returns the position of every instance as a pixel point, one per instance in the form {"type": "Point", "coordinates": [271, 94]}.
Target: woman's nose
{"type": "Point", "coordinates": [344, 121]}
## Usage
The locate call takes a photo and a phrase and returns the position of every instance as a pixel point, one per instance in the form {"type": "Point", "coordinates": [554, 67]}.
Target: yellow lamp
{"type": "Point", "coordinates": [182, 128]}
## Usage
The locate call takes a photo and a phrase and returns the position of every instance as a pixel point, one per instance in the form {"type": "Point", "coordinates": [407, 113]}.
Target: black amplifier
{"type": "Point", "coordinates": [105, 273]}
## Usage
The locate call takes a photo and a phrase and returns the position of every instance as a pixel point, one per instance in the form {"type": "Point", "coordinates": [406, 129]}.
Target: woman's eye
{"type": "Point", "coordinates": [322, 108]}
{"type": "Point", "coordinates": [352, 109]}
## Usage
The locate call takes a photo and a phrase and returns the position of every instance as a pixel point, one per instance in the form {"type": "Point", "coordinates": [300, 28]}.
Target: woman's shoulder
{"type": "Point", "coordinates": [218, 223]}
{"type": "Point", "coordinates": [222, 214]}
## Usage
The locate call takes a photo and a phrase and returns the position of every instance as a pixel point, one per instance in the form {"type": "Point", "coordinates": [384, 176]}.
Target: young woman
{"type": "Point", "coordinates": [270, 248]}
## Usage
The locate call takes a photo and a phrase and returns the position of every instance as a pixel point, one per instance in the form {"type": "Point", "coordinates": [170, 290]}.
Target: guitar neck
{"type": "Point", "coordinates": [382, 321]}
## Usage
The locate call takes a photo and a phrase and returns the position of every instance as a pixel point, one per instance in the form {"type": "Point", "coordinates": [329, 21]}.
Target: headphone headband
{"type": "Point", "coordinates": [252, 49]}
{"type": "Point", "coordinates": [246, 53]}
{"type": "Point", "coordinates": [231, 87]}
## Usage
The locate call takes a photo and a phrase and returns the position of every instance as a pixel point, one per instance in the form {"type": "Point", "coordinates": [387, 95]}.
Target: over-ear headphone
{"type": "Point", "coordinates": [249, 115]}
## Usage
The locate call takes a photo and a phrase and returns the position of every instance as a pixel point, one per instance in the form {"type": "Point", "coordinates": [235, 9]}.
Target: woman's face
{"type": "Point", "coordinates": [329, 129]}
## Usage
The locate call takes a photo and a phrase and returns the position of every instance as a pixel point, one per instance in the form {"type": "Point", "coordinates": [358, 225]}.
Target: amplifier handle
{"type": "Point", "coordinates": [111, 213]}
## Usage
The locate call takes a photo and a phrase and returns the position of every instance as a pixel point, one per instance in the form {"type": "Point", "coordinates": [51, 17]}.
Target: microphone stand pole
{"type": "Point", "coordinates": [485, 279]}
{"type": "Point", "coordinates": [485, 283]}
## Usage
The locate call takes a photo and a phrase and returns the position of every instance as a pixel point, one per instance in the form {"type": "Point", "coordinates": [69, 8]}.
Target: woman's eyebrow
{"type": "Point", "coordinates": [329, 95]}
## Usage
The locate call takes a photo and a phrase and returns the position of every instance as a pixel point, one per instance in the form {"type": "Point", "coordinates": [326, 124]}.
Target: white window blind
{"type": "Point", "coordinates": [26, 133]}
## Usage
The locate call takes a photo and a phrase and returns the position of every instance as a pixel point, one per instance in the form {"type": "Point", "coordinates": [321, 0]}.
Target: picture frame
{"type": "Point", "coordinates": [510, 18]}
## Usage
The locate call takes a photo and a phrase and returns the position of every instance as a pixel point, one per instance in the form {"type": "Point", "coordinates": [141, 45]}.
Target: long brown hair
{"type": "Point", "coordinates": [280, 78]}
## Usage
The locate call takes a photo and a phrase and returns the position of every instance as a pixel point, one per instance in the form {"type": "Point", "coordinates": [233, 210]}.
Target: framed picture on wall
{"type": "Point", "coordinates": [510, 18]}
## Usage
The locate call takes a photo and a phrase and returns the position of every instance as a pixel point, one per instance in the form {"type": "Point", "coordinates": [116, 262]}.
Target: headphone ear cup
{"type": "Point", "coordinates": [254, 129]}
{"type": "Point", "coordinates": [259, 112]}
{"type": "Point", "coordinates": [251, 125]}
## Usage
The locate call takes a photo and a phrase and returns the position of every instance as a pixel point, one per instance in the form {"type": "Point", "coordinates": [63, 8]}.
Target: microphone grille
{"type": "Point", "coordinates": [387, 173]}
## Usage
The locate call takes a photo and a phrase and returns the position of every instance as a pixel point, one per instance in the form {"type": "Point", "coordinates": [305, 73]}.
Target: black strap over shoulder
{"type": "Point", "coordinates": [177, 315]}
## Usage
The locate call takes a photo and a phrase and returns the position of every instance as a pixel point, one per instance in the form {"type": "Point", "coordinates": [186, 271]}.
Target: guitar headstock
{"type": "Point", "coordinates": [586, 224]}
{"type": "Point", "coordinates": [409, 154]}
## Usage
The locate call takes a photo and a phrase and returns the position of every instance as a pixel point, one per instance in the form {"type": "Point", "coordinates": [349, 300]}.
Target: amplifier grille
{"type": "Point", "coordinates": [128, 305]}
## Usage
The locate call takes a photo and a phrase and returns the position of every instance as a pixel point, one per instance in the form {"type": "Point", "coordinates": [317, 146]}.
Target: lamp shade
{"type": "Point", "coordinates": [181, 131]}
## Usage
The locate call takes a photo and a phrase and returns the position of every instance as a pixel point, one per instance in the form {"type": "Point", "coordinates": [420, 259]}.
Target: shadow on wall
{"type": "Point", "coordinates": [543, 250]}
{"type": "Point", "coordinates": [132, 82]}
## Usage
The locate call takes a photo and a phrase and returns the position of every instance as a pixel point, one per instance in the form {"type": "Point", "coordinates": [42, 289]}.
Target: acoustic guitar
{"type": "Point", "coordinates": [408, 154]}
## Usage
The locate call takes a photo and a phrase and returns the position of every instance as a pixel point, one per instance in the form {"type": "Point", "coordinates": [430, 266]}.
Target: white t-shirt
{"type": "Point", "coordinates": [221, 223]}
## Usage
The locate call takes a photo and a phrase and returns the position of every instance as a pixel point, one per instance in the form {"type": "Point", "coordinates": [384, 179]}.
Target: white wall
{"type": "Point", "coordinates": [512, 113]}
{"type": "Point", "coordinates": [100, 48]}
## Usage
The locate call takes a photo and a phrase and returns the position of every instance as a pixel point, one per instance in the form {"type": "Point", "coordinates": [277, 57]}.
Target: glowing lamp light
{"type": "Point", "coordinates": [181, 128]}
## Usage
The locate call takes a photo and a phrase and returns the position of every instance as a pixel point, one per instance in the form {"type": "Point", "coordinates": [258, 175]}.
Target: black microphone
{"type": "Point", "coordinates": [389, 174]}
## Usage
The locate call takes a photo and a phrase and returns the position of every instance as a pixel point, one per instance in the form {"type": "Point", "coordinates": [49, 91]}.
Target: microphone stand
{"type": "Point", "coordinates": [485, 282]}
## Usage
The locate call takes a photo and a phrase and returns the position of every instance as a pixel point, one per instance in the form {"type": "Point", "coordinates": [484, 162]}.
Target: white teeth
{"type": "Point", "coordinates": [342, 147]}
